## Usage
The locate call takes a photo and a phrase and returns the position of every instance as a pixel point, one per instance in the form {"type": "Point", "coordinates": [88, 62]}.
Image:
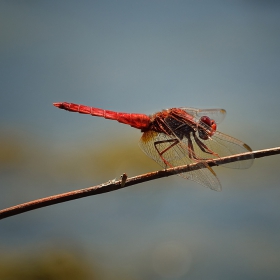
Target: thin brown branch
{"type": "Point", "coordinates": [126, 182]}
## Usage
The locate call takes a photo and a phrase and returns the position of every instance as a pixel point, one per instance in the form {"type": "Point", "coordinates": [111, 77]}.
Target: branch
{"type": "Point", "coordinates": [126, 182]}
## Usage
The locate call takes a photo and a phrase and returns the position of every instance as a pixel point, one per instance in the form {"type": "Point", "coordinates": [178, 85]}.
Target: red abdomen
{"type": "Point", "coordinates": [140, 121]}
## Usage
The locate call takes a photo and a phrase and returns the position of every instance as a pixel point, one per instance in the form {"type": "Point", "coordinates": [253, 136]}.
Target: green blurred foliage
{"type": "Point", "coordinates": [105, 160]}
{"type": "Point", "coordinates": [83, 160]}
{"type": "Point", "coordinates": [11, 151]}
{"type": "Point", "coordinates": [48, 265]}
{"type": "Point", "coordinates": [75, 160]}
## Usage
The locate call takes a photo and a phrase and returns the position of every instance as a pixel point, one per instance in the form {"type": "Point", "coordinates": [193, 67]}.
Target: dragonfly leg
{"type": "Point", "coordinates": [175, 142]}
{"type": "Point", "coordinates": [191, 151]}
{"type": "Point", "coordinates": [203, 147]}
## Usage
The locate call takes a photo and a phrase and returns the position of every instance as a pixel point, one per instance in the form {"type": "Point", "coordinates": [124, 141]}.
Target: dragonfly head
{"type": "Point", "coordinates": [207, 127]}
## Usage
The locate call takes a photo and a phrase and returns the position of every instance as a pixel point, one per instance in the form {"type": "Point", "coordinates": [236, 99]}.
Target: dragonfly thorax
{"type": "Point", "coordinates": [179, 123]}
{"type": "Point", "coordinates": [179, 127]}
{"type": "Point", "coordinates": [174, 121]}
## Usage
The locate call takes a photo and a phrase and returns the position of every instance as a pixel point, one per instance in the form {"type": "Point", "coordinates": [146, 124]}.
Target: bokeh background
{"type": "Point", "coordinates": [136, 56]}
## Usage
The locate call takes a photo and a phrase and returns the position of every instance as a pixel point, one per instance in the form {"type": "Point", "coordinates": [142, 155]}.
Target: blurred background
{"type": "Point", "coordinates": [136, 56]}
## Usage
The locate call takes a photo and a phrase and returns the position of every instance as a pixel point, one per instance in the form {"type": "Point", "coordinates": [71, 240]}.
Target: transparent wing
{"type": "Point", "coordinates": [217, 115]}
{"type": "Point", "coordinates": [176, 156]}
{"type": "Point", "coordinates": [221, 145]}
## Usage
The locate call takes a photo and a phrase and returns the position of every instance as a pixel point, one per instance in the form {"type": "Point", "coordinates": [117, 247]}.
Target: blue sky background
{"type": "Point", "coordinates": [140, 56]}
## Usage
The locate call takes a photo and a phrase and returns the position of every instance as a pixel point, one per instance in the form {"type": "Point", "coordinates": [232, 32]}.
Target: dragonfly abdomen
{"type": "Point", "coordinates": [140, 121]}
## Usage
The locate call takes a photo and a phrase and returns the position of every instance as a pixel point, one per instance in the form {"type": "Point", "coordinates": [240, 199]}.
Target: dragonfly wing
{"type": "Point", "coordinates": [222, 145]}
{"type": "Point", "coordinates": [225, 145]}
{"type": "Point", "coordinates": [176, 156]}
{"type": "Point", "coordinates": [217, 115]}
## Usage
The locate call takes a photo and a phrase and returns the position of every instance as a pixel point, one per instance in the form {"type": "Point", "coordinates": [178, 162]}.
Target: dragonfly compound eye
{"type": "Point", "coordinates": [207, 127]}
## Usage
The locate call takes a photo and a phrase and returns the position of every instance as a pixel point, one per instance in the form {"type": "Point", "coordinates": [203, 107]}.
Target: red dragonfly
{"type": "Point", "coordinates": [179, 136]}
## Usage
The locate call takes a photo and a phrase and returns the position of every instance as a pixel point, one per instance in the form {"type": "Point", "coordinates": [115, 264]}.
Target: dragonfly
{"type": "Point", "coordinates": [179, 136]}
